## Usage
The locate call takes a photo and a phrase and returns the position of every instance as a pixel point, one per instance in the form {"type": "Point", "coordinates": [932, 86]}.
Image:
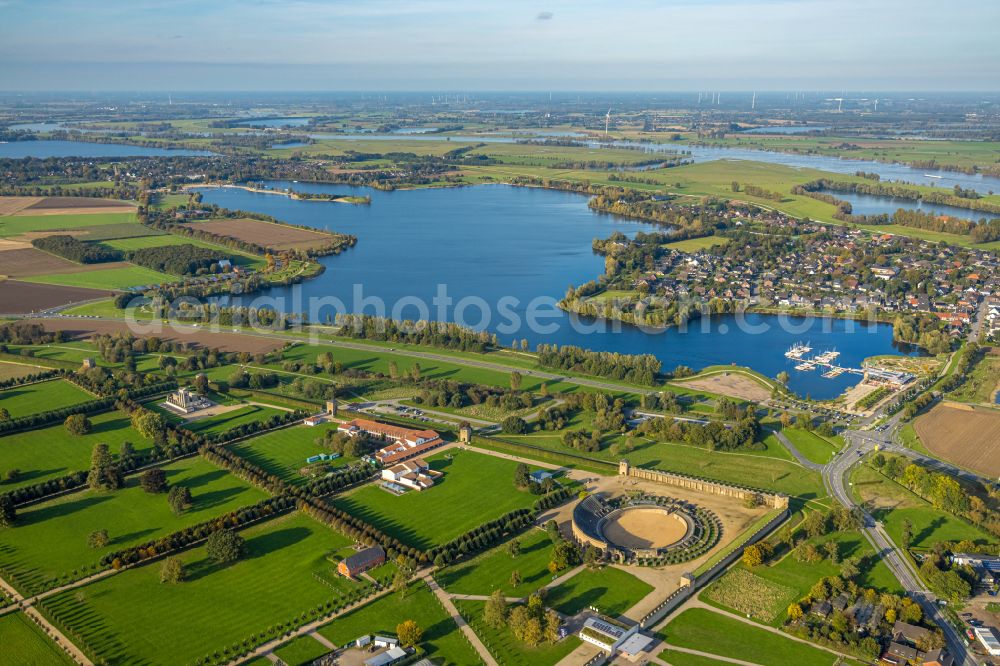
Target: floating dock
{"type": "Point", "coordinates": [824, 360]}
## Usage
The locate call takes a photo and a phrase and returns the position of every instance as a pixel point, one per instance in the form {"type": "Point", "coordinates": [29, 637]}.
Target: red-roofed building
{"type": "Point", "coordinates": [405, 442]}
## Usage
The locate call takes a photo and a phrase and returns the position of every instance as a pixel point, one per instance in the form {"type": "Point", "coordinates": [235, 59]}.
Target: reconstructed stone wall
{"type": "Point", "coordinates": [773, 500]}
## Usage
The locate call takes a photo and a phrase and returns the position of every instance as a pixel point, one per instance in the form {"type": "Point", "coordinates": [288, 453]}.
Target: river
{"type": "Point", "coordinates": [495, 249]}
{"type": "Point", "coordinates": [45, 148]}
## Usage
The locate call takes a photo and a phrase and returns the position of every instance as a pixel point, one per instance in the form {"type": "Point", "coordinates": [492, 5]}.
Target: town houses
{"type": "Point", "coordinates": [781, 264]}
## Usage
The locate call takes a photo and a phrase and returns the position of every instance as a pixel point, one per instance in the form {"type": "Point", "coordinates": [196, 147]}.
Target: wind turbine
{"type": "Point", "coordinates": [876, 105]}
{"type": "Point", "coordinates": [753, 103]}
{"type": "Point", "coordinates": [607, 121]}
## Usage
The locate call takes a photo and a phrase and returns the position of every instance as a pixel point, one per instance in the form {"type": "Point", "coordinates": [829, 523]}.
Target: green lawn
{"type": "Point", "coordinates": [612, 591]}
{"type": "Point", "coordinates": [19, 224]}
{"type": "Point", "coordinates": [505, 648]}
{"type": "Point", "coordinates": [812, 446]}
{"type": "Point", "coordinates": [475, 488]}
{"type": "Point", "coordinates": [894, 504]}
{"type": "Point", "coordinates": [131, 618]}
{"type": "Point", "coordinates": [302, 651]}
{"type": "Point", "coordinates": [677, 658]}
{"type": "Point", "coordinates": [49, 453]}
{"type": "Point", "coordinates": [24, 644]}
{"type": "Point", "coordinates": [492, 569]}
{"type": "Point", "coordinates": [701, 629]}
{"type": "Point", "coordinates": [42, 397]}
{"type": "Point", "coordinates": [106, 278]}
{"type": "Point", "coordinates": [50, 539]}
{"type": "Point", "coordinates": [442, 641]}
{"type": "Point", "coordinates": [695, 244]}
{"type": "Point", "coordinates": [284, 452]}
{"type": "Point", "coordinates": [211, 425]}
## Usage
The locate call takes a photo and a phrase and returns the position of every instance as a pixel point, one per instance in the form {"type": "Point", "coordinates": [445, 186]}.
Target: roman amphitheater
{"type": "Point", "coordinates": [636, 526]}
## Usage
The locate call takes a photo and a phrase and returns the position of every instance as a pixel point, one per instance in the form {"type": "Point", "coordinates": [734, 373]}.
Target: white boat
{"type": "Point", "coordinates": [930, 175]}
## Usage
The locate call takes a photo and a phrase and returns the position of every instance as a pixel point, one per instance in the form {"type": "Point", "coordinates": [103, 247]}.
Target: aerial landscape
{"type": "Point", "coordinates": [448, 334]}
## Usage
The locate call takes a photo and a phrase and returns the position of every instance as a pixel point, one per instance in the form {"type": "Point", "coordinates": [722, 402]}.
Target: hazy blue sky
{"type": "Point", "coordinates": [473, 45]}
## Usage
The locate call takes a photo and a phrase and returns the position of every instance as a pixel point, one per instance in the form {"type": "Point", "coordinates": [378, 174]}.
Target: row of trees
{"type": "Point", "coordinates": [634, 368]}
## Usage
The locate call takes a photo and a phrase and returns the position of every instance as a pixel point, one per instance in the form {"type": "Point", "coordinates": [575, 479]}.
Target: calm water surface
{"type": "Point", "coordinates": [42, 149]}
{"type": "Point", "coordinates": [500, 242]}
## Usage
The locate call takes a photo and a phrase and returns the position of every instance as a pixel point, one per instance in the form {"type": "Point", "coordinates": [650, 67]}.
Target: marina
{"type": "Point", "coordinates": [826, 359]}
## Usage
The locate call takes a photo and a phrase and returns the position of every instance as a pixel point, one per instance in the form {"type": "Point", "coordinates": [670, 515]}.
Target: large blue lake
{"type": "Point", "coordinates": [42, 149]}
{"type": "Point", "coordinates": [508, 252]}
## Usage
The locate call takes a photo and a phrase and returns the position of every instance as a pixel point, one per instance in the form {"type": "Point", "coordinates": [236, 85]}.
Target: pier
{"type": "Point", "coordinates": [825, 360]}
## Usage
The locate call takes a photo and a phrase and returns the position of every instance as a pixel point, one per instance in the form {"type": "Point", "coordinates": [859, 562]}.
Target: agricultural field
{"type": "Point", "coordinates": [22, 224]}
{"type": "Point", "coordinates": [42, 397]}
{"type": "Point", "coordinates": [52, 452]}
{"type": "Point", "coordinates": [442, 640]}
{"type": "Point", "coordinates": [748, 593]}
{"type": "Point", "coordinates": [964, 435]}
{"type": "Point", "coordinates": [131, 616]}
{"type": "Point", "coordinates": [284, 452]}
{"type": "Point", "coordinates": [266, 234]}
{"type": "Point", "coordinates": [28, 262]}
{"type": "Point", "coordinates": [50, 542]}
{"type": "Point", "coordinates": [491, 570]}
{"type": "Point", "coordinates": [18, 297]}
{"type": "Point", "coordinates": [123, 277]}
{"type": "Point", "coordinates": [21, 637]}
{"type": "Point", "coordinates": [507, 649]}
{"type": "Point", "coordinates": [696, 244]}
{"type": "Point", "coordinates": [707, 631]}
{"type": "Point", "coordinates": [475, 488]}
{"type": "Point", "coordinates": [15, 370]}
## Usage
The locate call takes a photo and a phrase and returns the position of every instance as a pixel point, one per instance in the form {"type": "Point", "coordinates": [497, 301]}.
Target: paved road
{"type": "Point", "coordinates": [858, 443]}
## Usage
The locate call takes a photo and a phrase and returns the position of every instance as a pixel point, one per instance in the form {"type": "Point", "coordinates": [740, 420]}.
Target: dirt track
{"type": "Point", "coordinates": [193, 337]}
{"type": "Point", "coordinates": [964, 436]}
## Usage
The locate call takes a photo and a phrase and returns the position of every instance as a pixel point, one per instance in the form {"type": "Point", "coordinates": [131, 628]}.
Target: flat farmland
{"type": "Point", "coordinates": [17, 297]}
{"type": "Point", "coordinates": [50, 540]}
{"type": "Point", "coordinates": [76, 206]}
{"type": "Point", "coordinates": [966, 436]}
{"type": "Point", "coordinates": [13, 205]}
{"type": "Point", "coordinates": [475, 488]}
{"type": "Point", "coordinates": [29, 262]}
{"type": "Point", "coordinates": [122, 276]}
{"type": "Point", "coordinates": [12, 370]}
{"type": "Point", "coordinates": [266, 234]}
{"type": "Point", "coordinates": [132, 617]}
{"type": "Point", "coordinates": [41, 397]}
{"type": "Point", "coordinates": [193, 337]}
{"type": "Point", "coordinates": [284, 452]}
{"type": "Point", "coordinates": [50, 453]}
{"type": "Point", "coordinates": [14, 225]}
{"type": "Point", "coordinates": [22, 637]}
